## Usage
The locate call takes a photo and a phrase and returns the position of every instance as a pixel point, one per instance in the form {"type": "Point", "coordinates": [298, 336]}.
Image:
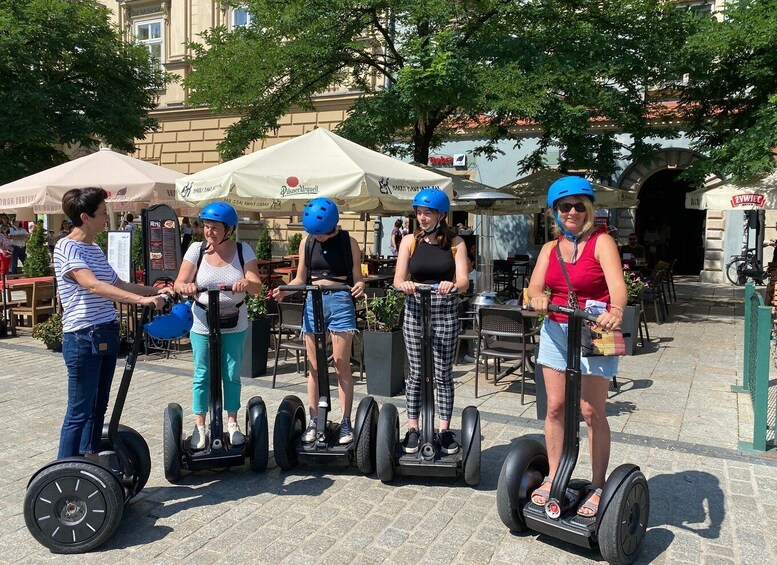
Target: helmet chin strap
{"type": "Point", "coordinates": [436, 226]}
{"type": "Point", "coordinates": [575, 238]}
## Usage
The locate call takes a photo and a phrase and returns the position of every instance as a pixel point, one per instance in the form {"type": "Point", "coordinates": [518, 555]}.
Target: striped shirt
{"type": "Point", "coordinates": [80, 307]}
{"type": "Point", "coordinates": [210, 275]}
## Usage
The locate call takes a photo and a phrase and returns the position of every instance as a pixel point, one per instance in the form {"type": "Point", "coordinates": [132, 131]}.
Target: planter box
{"type": "Point", "coordinates": [256, 346]}
{"type": "Point", "coordinates": [384, 362]}
{"type": "Point", "coordinates": [630, 327]}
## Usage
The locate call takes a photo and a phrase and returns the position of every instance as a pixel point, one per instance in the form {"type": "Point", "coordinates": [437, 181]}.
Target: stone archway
{"type": "Point", "coordinates": [691, 236]}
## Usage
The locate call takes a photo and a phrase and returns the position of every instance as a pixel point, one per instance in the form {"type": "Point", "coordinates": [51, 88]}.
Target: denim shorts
{"type": "Point", "coordinates": [553, 353]}
{"type": "Point", "coordinates": [339, 313]}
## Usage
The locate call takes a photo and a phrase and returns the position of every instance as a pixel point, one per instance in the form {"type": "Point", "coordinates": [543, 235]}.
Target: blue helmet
{"type": "Point", "coordinates": [220, 212]}
{"type": "Point", "coordinates": [432, 198]}
{"type": "Point", "coordinates": [174, 325]}
{"type": "Point", "coordinates": [569, 186]}
{"type": "Point", "coordinates": [320, 216]}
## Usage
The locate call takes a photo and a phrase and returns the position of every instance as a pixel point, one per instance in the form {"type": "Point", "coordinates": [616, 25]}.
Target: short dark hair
{"type": "Point", "coordinates": [82, 200]}
{"type": "Point", "coordinates": [129, 217]}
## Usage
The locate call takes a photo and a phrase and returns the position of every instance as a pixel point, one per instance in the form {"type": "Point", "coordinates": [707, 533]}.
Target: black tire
{"type": "Point", "coordinates": [734, 272]}
{"type": "Point", "coordinates": [522, 472]}
{"type": "Point", "coordinates": [289, 424]}
{"type": "Point", "coordinates": [172, 444]}
{"type": "Point", "coordinates": [365, 446]}
{"type": "Point", "coordinates": [623, 525]}
{"type": "Point", "coordinates": [386, 440]}
{"type": "Point", "coordinates": [139, 453]}
{"type": "Point", "coordinates": [258, 438]}
{"type": "Point", "coordinates": [470, 444]}
{"type": "Point", "coordinates": [73, 507]}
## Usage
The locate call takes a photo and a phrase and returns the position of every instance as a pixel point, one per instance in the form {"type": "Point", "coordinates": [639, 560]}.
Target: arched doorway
{"type": "Point", "coordinates": [662, 209]}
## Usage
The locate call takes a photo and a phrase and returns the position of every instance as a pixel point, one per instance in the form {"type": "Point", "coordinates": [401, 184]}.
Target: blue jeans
{"type": "Point", "coordinates": [19, 254]}
{"type": "Point", "coordinates": [231, 359]}
{"type": "Point", "coordinates": [88, 388]}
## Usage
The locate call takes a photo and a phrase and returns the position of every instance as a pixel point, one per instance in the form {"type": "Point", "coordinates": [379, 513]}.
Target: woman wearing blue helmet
{"type": "Point", "coordinates": [218, 260]}
{"type": "Point", "coordinates": [434, 254]}
{"type": "Point", "coordinates": [592, 263]}
{"type": "Point", "coordinates": [329, 256]}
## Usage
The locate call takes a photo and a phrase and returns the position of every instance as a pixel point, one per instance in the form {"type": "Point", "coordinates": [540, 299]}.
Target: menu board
{"type": "Point", "coordinates": [162, 252]}
{"type": "Point", "coordinates": [120, 253]}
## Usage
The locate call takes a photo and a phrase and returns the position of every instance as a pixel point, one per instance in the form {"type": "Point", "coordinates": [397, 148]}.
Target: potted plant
{"type": "Point", "coordinates": [384, 347]}
{"type": "Point", "coordinates": [50, 332]}
{"type": "Point", "coordinates": [292, 247]}
{"type": "Point", "coordinates": [38, 262]}
{"type": "Point", "coordinates": [630, 323]}
{"type": "Point", "coordinates": [257, 337]}
{"type": "Point", "coordinates": [264, 246]}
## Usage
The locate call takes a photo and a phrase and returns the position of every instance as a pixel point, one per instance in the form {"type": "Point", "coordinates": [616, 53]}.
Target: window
{"type": "Point", "coordinates": [241, 17]}
{"type": "Point", "coordinates": [149, 34]}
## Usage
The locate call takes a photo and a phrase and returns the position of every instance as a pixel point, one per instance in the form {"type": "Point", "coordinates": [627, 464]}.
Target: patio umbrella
{"type": "Point", "coordinates": [760, 194]}
{"type": "Point", "coordinates": [129, 182]}
{"type": "Point", "coordinates": [283, 177]}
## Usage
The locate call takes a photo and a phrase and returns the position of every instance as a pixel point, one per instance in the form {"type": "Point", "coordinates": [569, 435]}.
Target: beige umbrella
{"type": "Point", "coordinates": [129, 182]}
{"type": "Point", "coordinates": [760, 194]}
{"type": "Point", "coordinates": [283, 177]}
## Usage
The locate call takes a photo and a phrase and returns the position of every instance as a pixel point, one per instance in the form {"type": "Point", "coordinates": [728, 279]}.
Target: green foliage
{"type": "Point", "coordinates": [68, 78]}
{"type": "Point", "coordinates": [730, 100]}
{"type": "Point", "coordinates": [257, 306]}
{"type": "Point", "coordinates": [137, 249]}
{"type": "Point", "coordinates": [38, 262]}
{"type": "Point", "coordinates": [428, 68]}
{"type": "Point", "coordinates": [634, 286]}
{"type": "Point", "coordinates": [50, 331]}
{"type": "Point", "coordinates": [264, 245]}
{"type": "Point", "coordinates": [293, 245]}
{"type": "Point", "coordinates": [383, 312]}
{"type": "Point", "coordinates": [101, 239]}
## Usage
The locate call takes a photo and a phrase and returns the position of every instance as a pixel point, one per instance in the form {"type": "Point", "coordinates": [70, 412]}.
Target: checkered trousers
{"type": "Point", "coordinates": [445, 330]}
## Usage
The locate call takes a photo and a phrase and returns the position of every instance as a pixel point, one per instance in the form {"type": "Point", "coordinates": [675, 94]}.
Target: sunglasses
{"type": "Point", "coordinates": [566, 207]}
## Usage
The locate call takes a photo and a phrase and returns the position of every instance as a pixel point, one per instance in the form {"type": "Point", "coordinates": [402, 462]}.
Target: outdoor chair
{"type": "Point", "coordinates": [40, 304]}
{"type": "Point", "coordinates": [289, 334]}
{"type": "Point", "coordinates": [654, 293]}
{"type": "Point", "coordinates": [503, 335]}
{"type": "Point", "coordinates": [468, 329]}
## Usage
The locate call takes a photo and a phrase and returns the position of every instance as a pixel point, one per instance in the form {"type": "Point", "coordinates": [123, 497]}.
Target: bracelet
{"type": "Point", "coordinates": [617, 308]}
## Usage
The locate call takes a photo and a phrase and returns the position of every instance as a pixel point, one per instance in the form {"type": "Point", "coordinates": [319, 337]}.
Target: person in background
{"type": "Point", "coordinates": [186, 234]}
{"type": "Point", "coordinates": [396, 238]}
{"type": "Point", "coordinates": [128, 223]}
{"type": "Point", "coordinates": [64, 229]}
{"type": "Point", "coordinates": [632, 250]}
{"type": "Point", "coordinates": [435, 255]}
{"type": "Point", "coordinates": [6, 250]}
{"type": "Point", "coordinates": [88, 288]}
{"type": "Point", "coordinates": [19, 235]}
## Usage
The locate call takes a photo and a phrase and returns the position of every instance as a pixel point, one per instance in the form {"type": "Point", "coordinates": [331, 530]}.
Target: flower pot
{"type": "Point", "coordinates": [384, 362]}
{"type": "Point", "coordinates": [55, 346]}
{"type": "Point", "coordinates": [256, 345]}
{"type": "Point", "coordinates": [630, 327]}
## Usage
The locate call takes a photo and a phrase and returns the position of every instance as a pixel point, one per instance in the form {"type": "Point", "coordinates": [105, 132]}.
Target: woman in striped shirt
{"type": "Point", "coordinates": [88, 287]}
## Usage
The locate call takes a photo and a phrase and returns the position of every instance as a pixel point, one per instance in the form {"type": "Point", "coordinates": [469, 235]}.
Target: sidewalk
{"type": "Point", "coordinates": [674, 415]}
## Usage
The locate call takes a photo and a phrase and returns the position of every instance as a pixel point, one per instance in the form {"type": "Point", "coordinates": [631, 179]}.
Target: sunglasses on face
{"type": "Point", "coordinates": [566, 207]}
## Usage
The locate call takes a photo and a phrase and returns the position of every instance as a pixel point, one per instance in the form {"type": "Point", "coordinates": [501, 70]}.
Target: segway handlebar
{"type": "Point", "coordinates": [574, 312]}
{"type": "Point", "coordinates": [431, 288]}
{"type": "Point", "coordinates": [313, 288]}
{"type": "Point", "coordinates": [221, 287]}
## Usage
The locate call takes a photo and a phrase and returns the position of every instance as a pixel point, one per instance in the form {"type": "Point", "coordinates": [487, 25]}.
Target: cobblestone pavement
{"type": "Point", "coordinates": [674, 415]}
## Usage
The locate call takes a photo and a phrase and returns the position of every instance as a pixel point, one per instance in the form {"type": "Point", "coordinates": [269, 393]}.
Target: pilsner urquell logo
{"type": "Point", "coordinates": [293, 188]}
{"type": "Point", "coordinates": [748, 199]}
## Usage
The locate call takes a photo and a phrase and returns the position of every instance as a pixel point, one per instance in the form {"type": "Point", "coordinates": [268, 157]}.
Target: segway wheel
{"type": "Point", "coordinates": [258, 440]}
{"type": "Point", "coordinates": [470, 444]}
{"type": "Point", "coordinates": [624, 522]}
{"type": "Point", "coordinates": [386, 442]}
{"type": "Point", "coordinates": [522, 473]}
{"type": "Point", "coordinates": [289, 425]}
{"type": "Point", "coordinates": [173, 447]}
{"type": "Point", "coordinates": [365, 446]}
{"type": "Point", "coordinates": [73, 507]}
{"type": "Point", "coordinates": [139, 454]}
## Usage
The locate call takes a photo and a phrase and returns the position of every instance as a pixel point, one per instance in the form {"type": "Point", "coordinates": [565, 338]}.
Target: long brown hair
{"type": "Point", "coordinates": [444, 235]}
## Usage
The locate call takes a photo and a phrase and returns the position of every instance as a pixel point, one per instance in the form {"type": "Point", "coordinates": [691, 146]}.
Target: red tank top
{"type": "Point", "coordinates": [586, 275]}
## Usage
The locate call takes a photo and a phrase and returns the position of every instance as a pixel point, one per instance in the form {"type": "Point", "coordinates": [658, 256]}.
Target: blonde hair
{"type": "Point", "coordinates": [587, 225]}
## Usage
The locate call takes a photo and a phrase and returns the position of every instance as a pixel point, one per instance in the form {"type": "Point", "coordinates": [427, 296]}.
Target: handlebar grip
{"type": "Point", "coordinates": [434, 288]}
{"type": "Point", "coordinates": [574, 312]}
{"type": "Point", "coordinates": [221, 287]}
{"type": "Point", "coordinates": [314, 288]}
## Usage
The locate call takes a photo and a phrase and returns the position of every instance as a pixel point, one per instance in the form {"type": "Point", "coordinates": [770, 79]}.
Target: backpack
{"type": "Point", "coordinates": [204, 245]}
{"type": "Point", "coordinates": [345, 249]}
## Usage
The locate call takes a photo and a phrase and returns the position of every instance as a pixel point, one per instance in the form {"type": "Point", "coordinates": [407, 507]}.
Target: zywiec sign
{"type": "Point", "coordinates": [748, 199]}
{"type": "Point", "coordinates": [441, 161]}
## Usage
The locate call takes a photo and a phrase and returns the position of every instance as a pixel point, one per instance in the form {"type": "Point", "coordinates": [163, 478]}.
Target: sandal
{"type": "Point", "coordinates": [542, 494]}
{"type": "Point", "coordinates": [589, 509]}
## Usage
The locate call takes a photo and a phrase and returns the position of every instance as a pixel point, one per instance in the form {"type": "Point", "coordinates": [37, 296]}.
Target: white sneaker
{"type": "Point", "coordinates": [199, 437]}
{"type": "Point", "coordinates": [236, 437]}
{"type": "Point", "coordinates": [309, 435]}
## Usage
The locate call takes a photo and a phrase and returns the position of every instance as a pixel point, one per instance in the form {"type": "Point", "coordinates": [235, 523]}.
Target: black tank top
{"type": "Point", "coordinates": [326, 260]}
{"type": "Point", "coordinates": [430, 264]}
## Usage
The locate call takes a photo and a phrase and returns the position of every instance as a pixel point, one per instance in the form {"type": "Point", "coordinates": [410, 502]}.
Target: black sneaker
{"type": "Point", "coordinates": [410, 445]}
{"type": "Point", "coordinates": [448, 443]}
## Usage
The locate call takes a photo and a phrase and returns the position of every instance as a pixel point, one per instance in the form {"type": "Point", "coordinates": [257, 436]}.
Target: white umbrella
{"type": "Point", "coordinates": [760, 194]}
{"type": "Point", "coordinates": [285, 176]}
{"type": "Point", "coordinates": [128, 181]}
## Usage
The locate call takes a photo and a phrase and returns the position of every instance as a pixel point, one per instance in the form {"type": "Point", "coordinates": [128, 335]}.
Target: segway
{"type": "Point", "coordinates": [429, 461]}
{"type": "Point", "coordinates": [618, 528]}
{"type": "Point", "coordinates": [219, 453]}
{"type": "Point", "coordinates": [290, 422]}
{"type": "Point", "coordinates": [74, 504]}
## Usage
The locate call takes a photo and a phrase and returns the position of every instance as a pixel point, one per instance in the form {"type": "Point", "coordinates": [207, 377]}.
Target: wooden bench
{"type": "Point", "coordinates": [41, 303]}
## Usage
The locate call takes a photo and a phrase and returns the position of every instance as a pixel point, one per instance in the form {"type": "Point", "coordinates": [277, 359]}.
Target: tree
{"type": "Point", "coordinates": [67, 78]}
{"type": "Point", "coordinates": [38, 262]}
{"type": "Point", "coordinates": [429, 67]}
{"type": "Point", "coordinates": [730, 100]}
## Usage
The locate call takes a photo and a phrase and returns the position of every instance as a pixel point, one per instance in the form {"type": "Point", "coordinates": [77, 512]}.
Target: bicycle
{"type": "Point", "coordinates": [747, 266]}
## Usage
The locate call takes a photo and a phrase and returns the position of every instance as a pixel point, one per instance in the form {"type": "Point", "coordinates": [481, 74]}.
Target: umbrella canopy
{"type": "Point", "coordinates": [126, 180]}
{"type": "Point", "coordinates": [466, 192]}
{"type": "Point", "coordinates": [760, 194]}
{"type": "Point", "coordinates": [285, 176]}
{"type": "Point", "coordinates": [532, 192]}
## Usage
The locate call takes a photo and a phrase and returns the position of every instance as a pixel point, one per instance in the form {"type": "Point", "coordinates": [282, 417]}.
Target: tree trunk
{"type": "Point", "coordinates": [422, 141]}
